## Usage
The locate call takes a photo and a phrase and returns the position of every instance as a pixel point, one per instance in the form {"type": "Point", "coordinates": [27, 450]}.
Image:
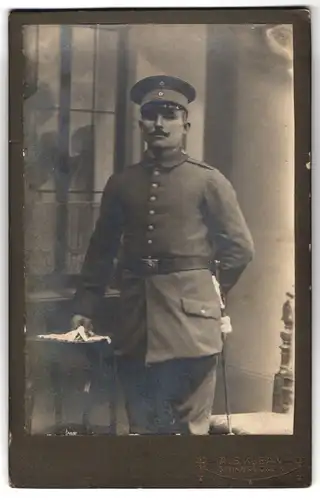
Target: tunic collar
{"type": "Point", "coordinates": [169, 159]}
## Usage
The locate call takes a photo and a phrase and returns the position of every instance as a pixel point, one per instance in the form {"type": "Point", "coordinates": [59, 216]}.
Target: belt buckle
{"type": "Point", "coordinates": [151, 264]}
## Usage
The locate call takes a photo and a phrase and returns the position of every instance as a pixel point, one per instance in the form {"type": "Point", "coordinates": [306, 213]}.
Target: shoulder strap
{"type": "Point", "coordinates": [200, 163]}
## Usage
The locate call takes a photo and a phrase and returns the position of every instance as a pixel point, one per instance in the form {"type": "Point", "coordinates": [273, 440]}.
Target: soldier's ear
{"type": "Point", "coordinates": [187, 126]}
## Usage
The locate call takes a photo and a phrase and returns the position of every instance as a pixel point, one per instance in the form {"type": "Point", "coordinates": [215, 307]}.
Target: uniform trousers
{"type": "Point", "coordinates": [169, 397]}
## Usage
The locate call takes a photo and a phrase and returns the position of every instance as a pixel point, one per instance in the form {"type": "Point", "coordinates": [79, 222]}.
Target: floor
{"type": "Point", "coordinates": [43, 421]}
{"type": "Point", "coordinates": [260, 423]}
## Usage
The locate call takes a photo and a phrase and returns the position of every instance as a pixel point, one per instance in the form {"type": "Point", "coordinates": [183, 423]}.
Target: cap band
{"type": "Point", "coordinates": [165, 95]}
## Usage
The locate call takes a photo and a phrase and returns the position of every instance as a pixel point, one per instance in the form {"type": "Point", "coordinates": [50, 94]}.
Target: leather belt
{"type": "Point", "coordinates": [149, 266]}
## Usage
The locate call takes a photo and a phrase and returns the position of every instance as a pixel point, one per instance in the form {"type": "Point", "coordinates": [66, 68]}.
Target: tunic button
{"type": "Point", "coordinates": [149, 242]}
{"type": "Point", "coordinates": [156, 172]}
{"type": "Point", "coordinates": [151, 227]}
{"type": "Point", "coordinates": [203, 311]}
{"type": "Point", "coordinates": [151, 212]}
{"type": "Point", "coordinates": [153, 198]}
{"type": "Point", "coordinates": [155, 185]}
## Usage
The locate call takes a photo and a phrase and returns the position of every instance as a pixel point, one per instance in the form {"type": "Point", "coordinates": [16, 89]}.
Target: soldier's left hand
{"type": "Point", "coordinates": [226, 326]}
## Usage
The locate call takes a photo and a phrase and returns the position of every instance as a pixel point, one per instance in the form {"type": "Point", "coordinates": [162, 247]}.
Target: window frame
{"type": "Point", "coordinates": [60, 278]}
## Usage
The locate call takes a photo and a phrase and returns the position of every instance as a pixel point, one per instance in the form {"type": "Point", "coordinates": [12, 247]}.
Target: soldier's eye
{"type": "Point", "coordinates": [149, 114]}
{"type": "Point", "coordinates": [169, 114]}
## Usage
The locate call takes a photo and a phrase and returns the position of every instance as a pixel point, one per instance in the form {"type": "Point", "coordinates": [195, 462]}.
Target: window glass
{"type": "Point", "coordinates": [82, 66]}
{"type": "Point", "coordinates": [48, 66]}
{"type": "Point", "coordinates": [104, 151]}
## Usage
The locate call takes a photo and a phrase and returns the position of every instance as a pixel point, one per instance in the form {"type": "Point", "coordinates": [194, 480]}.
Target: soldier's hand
{"type": "Point", "coordinates": [79, 320]}
{"type": "Point", "coordinates": [226, 326]}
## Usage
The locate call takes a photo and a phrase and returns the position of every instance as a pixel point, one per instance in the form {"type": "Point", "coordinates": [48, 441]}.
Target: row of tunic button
{"type": "Point", "coordinates": [152, 198]}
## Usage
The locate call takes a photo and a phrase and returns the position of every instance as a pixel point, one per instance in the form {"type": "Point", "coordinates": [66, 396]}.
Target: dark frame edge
{"type": "Point", "coordinates": [16, 246]}
{"type": "Point", "coordinates": [165, 15]}
{"type": "Point", "coordinates": [303, 264]}
{"type": "Point", "coordinates": [31, 458]}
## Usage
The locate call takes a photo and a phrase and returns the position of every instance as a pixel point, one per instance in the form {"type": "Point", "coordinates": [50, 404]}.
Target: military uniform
{"type": "Point", "coordinates": [174, 218]}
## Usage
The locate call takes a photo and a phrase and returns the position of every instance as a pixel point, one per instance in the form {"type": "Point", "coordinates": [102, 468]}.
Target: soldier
{"type": "Point", "coordinates": [175, 216]}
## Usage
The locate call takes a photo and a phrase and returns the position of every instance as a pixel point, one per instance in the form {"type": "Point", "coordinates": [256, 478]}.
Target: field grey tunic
{"type": "Point", "coordinates": [173, 208]}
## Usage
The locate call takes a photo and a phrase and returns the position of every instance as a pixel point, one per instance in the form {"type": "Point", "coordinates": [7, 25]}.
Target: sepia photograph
{"type": "Point", "coordinates": [159, 235]}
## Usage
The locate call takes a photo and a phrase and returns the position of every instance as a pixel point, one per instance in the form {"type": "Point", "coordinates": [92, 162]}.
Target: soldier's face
{"type": "Point", "coordinates": [163, 127]}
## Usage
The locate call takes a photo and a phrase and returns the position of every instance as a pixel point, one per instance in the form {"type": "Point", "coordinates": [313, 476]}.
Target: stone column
{"type": "Point", "coordinates": [255, 128]}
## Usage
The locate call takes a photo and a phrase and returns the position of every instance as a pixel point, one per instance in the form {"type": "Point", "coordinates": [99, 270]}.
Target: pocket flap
{"type": "Point", "coordinates": [204, 308]}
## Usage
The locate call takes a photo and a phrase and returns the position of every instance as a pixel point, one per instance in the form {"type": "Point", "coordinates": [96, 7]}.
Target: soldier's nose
{"type": "Point", "coordinates": [159, 121]}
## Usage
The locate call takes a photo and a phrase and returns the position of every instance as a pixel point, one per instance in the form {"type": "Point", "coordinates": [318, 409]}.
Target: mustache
{"type": "Point", "coordinates": [161, 133]}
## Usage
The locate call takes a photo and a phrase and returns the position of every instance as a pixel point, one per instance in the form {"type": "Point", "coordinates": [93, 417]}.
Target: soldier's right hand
{"type": "Point", "coordinates": [79, 320]}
